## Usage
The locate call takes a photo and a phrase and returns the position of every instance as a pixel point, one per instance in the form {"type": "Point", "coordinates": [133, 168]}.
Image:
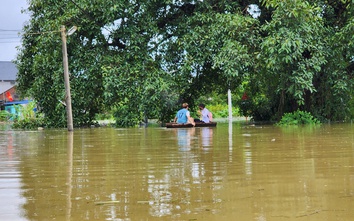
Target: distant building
{"type": "Point", "coordinates": [8, 96]}
{"type": "Point", "coordinates": [8, 74]}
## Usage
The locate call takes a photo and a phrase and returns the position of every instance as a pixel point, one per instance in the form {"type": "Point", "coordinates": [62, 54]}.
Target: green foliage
{"type": "Point", "coordinates": [263, 109]}
{"type": "Point", "coordinates": [28, 123]}
{"type": "Point", "coordinates": [4, 115]}
{"type": "Point", "coordinates": [246, 107]}
{"type": "Point", "coordinates": [212, 98]}
{"type": "Point", "coordinates": [27, 118]}
{"type": "Point", "coordinates": [217, 104]}
{"type": "Point", "coordinates": [294, 47]}
{"type": "Point", "coordinates": [125, 118]}
{"type": "Point", "coordinates": [222, 110]}
{"type": "Point", "coordinates": [104, 116]}
{"type": "Point", "coordinates": [147, 57]}
{"type": "Point", "coordinates": [141, 91]}
{"type": "Point", "coordinates": [296, 118]}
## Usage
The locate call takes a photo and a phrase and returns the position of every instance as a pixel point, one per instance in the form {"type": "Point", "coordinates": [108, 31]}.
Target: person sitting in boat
{"type": "Point", "coordinates": [183, 116]}
{"type": "Point", "coordinates": [205, 115]}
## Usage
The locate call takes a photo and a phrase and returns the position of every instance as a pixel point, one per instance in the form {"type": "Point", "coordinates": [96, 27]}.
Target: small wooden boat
{"type": "Point", "coordinates": [197, 124]}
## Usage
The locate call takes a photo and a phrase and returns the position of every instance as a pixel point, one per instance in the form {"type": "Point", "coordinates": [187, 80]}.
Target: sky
{"type": "Point", "coordinates": [11, 24]}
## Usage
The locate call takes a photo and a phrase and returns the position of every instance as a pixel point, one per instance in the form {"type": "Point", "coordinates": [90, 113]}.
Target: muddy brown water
{"type": "Point", "coordinates": [231, 172]}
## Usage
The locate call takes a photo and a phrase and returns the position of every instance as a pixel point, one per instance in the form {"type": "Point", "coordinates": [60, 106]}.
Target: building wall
{"type": "Point", "coordinates": [13, 93]}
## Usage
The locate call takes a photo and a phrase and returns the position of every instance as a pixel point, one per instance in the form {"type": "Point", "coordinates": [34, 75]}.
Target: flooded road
{"type": "Point", "coordinates": [231, 172]}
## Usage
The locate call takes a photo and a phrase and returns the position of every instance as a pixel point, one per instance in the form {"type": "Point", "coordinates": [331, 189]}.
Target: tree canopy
{"type": "Point", "coordinates": [142, 59]}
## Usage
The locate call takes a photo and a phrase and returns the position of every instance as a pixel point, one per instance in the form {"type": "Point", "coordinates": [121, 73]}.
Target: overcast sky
{"type": "Point", "coordinates": [11, 23]}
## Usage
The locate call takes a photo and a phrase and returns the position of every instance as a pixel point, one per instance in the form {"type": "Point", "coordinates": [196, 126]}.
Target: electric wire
{"type": "Point", "coordinates": [19, 33]}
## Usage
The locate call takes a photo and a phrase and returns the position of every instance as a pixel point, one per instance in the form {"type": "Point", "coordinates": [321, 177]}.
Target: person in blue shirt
{"type": "Point", "coordinates": [183, 116]}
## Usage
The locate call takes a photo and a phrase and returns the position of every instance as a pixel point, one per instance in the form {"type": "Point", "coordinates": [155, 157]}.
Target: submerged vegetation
{"type": "Point", "coordinates": [297, 118]}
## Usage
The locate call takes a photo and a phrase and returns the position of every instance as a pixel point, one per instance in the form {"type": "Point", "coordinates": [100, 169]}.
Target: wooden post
{"type": "Point", "coordinates": [66, 81]}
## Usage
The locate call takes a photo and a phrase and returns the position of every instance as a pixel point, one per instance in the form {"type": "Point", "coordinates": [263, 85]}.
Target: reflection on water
{"type": "Point", "coordinates": [230, 141]}
{"type": "Point", "coordinates": [70, 146]}
{"type": "Point", "coordinates": [185, 136]}
{"type": "Point", "coordinates": [207, 136]}
{"type": "Point", "coordinates": [231, 172]}
{"type": "Point", "coordinates": [200, 137]}
{"type": "Point", "coordinates": [10, 179]}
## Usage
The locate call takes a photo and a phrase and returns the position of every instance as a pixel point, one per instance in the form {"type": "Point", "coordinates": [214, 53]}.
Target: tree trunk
{"type": "Point", "coordinates": [281, 105]}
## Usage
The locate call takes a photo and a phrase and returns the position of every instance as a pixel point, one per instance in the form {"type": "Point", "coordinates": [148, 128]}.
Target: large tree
{"type": "Point", "coordinates": [140, 58]}
{"type": "Point", "coordinates": [305, 57]}
{"type": "Point", "coordinates": [143, 58]}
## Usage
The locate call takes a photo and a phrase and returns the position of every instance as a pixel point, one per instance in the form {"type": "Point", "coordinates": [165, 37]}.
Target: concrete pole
{"type": "Point", "coordinates": [229, 104]}
{"type": "Point", "coordinates": [66, 81]}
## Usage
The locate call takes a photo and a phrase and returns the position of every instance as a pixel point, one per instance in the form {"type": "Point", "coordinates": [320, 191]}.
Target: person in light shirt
{"type": "Point", "coordinates": [205, 115]}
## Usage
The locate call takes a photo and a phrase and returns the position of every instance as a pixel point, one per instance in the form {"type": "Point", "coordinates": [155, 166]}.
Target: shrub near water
{"type": "Point", "coordinates": [222, 110]}
{"type": "Point", "coordinates": [4, 115]}
{"type": "Point", "coordinates": [298, 117]}
{"type": "Point", "coordinates": [27, 118]}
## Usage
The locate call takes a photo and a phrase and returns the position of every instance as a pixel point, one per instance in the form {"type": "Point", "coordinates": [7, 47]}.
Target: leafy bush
{"type": "Point", "coordinates": [28, 123]}
{"type": "Point", "coordinates": [104, 116]}
{"type": "Point", "coordinates": [27, 118]}
{"type": "Point", "coordinates": [126, 118]}
{"type": "Point", "coordinates": [298, 117]}
{"type": "Point", "coordinates": [246, 107]}
{"type": "Point", "coordinates": [262, 109]}
{"type": "Point", "coordinates": [222, 110]}
{"type": "Point", "coordinates": [4, 115]}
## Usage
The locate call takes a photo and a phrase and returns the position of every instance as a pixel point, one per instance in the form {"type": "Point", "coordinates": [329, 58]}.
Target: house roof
{"type": "Point", "coordinates": [5, 87]}
{"type": "Point", "coordinates": [8, 71]}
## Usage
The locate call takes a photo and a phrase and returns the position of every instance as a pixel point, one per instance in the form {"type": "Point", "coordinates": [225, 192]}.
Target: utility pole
{"type": "Point", "coordinates": [69, 115]}
{"type": "Point", "coordinates": [229, 103]}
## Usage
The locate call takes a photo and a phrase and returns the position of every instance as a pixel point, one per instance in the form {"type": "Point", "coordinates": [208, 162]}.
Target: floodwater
{"type": "Point", "coordinates": [231, 172]}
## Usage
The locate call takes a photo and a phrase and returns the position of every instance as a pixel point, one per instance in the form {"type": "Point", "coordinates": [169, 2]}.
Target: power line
{"type": "Point", "coordinates": [9, 42]}
{"type": "Point", "coordinates": [20, 33]}
{"type": "Point", "coordinates": [40, 33]}
{"type": "Point", "coordinates": [6, 33]}
{"type": "Point", "coordinates": [10, 37]}
{"type": "Point", "coordinates": [8, 30]}
{"type": "Point", "coordinates": [19, 37]}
